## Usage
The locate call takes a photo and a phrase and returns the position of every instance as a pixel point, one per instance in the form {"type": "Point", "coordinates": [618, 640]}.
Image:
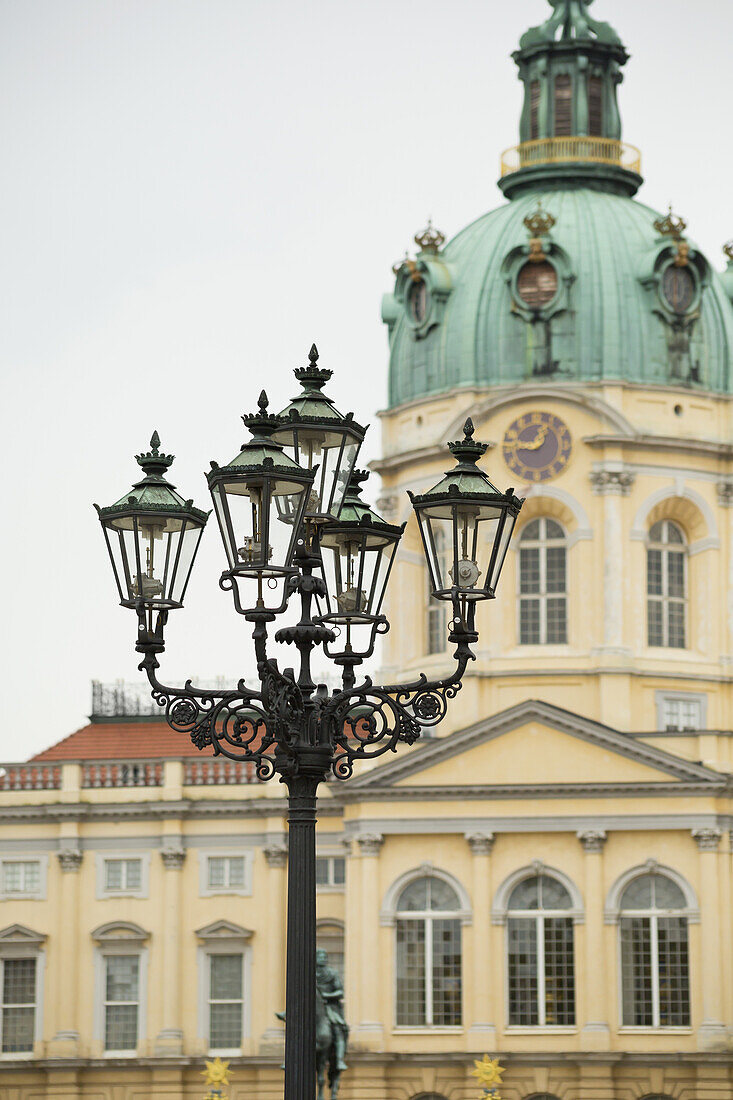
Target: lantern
{"type": "Point", "coordinates": [152, 535]}
{"type": "Point", "coordinates": [259, 499]}
{"type": "Point", "coordinates": [357, 551]}
{"type": "Point", "coordinates": [314, 431]}
{"type": "Point", "coordinates": [466, 524]}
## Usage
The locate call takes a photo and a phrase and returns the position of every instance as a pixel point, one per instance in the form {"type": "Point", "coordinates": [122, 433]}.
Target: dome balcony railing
{"type": "Point", "coordinates": [565, 150]}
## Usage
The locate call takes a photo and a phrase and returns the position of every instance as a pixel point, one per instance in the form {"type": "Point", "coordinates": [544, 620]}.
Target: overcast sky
{"type": "Point", "coordinates": [195, 190]}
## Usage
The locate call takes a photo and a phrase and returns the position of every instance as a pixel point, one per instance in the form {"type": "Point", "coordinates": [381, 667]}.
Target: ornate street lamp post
{"type": "Point", "coordinates": [293, 526]}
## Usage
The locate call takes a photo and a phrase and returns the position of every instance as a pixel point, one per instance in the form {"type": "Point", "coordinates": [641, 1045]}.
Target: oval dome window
{"type": "Point", "coordinates": [678, 288]}
{"type": "Point", "coordinates": [418, 301]}
{"type": "Point", "coordinates": [537, 284]}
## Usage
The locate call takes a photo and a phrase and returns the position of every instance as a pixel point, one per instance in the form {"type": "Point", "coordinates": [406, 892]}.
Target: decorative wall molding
{"type": "Point", "coordinates": [707, 840]}
{"type": "Point", "coordinates": [70, 859]}
{"type": "Point", "coordinates": [370, 843]}
{"type": "Point", "coordinates": [480, 843]}
{"type": "Point", "coordinates": [276, 855]}
{"type": "Point", "coordinates": [592, 839]}
{"type": "Point", "coordinates": [173, 857]}
{"type": "Point", "coordinates": [725, 493]}
{"type": "Point", "coordinates": [612, 481]}
{"type": "Point", "coordinates": [612, 908]}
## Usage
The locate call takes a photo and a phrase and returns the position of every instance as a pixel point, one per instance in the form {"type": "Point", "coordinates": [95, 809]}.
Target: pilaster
{"type": "Point", "coordinates": [169, 1040]}
{"type": "Point", "coordinates": [482, 1029]}
{"type": "Point", "coordinates": [275, 851]}
{"type": "Point", "coordinates": [369, 1032]}
{"type": "Point", "coordinates": [595, 1033]}
{"type": "Point", "coordinates": [65, 1042]}
{"type": "Point", "coordinates": [712, 1029]}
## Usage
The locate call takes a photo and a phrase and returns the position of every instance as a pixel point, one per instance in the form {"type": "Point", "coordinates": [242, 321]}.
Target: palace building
{"type": "Point", "coordinates": [549, 879]}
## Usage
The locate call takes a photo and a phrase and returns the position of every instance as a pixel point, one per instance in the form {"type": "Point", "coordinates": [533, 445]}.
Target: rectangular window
{"type": "Point", "coordinates": [534, 110]}
{"type": "Point", "coordinates": [680, 713]}
{"type": "Point", "coordinates": [595, 106]}
{"type": "Point", "coordinates": [19, 1005]}
{"type": "Point", "coordinates": [559, 971]}
{"type": "Point", "coordinates": [411, 973]}
{"type": "Point", "coordinates": [523, 991]}
{"type": "Point", "coordinates": [655, 971]}
{"type": "Point", "coordinates": [21, 876]}
{"type": "Point", "coordinates": [225, 872]}
{"type": "Point", "coordinates": [563, 106]}
{"type": "Point", "coordinates": [121, 1002]}
{"type": "Point", "coordinates": [330, 871]}
{"type": "Point", "coordinates": [225, 1002]}
{"type": "Point", "coordinates": [529, 622]}
{"type": "Point", "coordinates": [122, 874]}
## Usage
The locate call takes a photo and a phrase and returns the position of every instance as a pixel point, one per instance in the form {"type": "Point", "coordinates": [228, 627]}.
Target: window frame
{"type": "Point", "coordinates": [210, 956]}
{"type": "Point", "coordinates": [427, 917]}
{"type": "Point", "coordinates": [141, 891]}
{"type": "Point", "coordinates": [539, 916]}
{"type": "Point", "coordinates": [661, 698]}
{"type": "Point", "coordinates": [664, 599]}
{"type": "Point", "coordinates": [119, 938]}
{"type": "Point", "coordinates": [19, 942]}
{"type": "Point", "coordinates": [331, 886]}
{"type": "Point", "coordinates": [25, 895]}
{"type": "Point", "coordinates": [542, 544]}
{"type": "Point", "coordinates": [207, 891]}
{"type": "Point", "coordinates": [107, 1003]}
{"type": "Point", "coordinates": [223, 938]}
{"type": "Point", "coordinates": [654, 914]}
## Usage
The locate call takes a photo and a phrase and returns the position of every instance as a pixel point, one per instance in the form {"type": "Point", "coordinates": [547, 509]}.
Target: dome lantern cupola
{"type": "Point", "coordinates": [570, 128]}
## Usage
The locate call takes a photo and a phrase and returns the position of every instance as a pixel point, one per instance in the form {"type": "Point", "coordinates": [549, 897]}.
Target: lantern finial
{"type": "Point", "coordinates": [468, 428]}
{"type": "Point", "coordinates": [313, 354]}
{"type": "Point", "coordinates": [262, 403]}
{"type": "Point", "coordinates": [155, 442]}
{"type": "Point", "coordinates": [153, 462]}
{"type": "Point", "coordinates": [468, 450]}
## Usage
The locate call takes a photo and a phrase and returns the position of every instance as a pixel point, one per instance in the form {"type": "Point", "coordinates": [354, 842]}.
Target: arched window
{"type": "Point", "coordinates": [540, 954]}
{"type": "Point", "coordinates": [428, 954]}
{"type": "Point", "coordinates": [436, 616]}
{"type": "Point", "coordinates": [666, 585]}
{"type": "Point", "coordinates": [543, 612]}
{"type": "Point", "coordinates": [655, 968]}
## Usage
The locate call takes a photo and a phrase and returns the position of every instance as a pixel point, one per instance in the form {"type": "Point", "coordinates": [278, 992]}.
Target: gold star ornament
{"type": "Point", "coordinates": [217, 1072]}
{"type": "Point", "coordinates": [487, 1071]}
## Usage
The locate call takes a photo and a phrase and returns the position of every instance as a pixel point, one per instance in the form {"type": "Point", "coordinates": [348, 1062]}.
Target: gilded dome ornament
{"type": "Point", "coordinates": [430, 239]}
{"type": "Point", "coordinates": [539, 225]}
{"type": "Point", "coordinates": [672, 225]}
{"type": "Point", "coordinates": [728, 251]}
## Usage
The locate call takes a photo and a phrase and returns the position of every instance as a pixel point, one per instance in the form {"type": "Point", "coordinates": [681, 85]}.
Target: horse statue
{"type": "Point", "coordinates": [332, 1032]}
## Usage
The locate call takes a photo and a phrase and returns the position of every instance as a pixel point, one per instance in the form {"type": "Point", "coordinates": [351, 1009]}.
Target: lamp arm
{"type": "Point", "coordinates": [368, 720]}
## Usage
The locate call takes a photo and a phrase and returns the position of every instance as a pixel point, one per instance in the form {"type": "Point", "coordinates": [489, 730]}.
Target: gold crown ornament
{"type": "Point", "coordinates": [672, 225]}
{"type": "Point", "coordinates": [429, 239]}
{"type": "Point", "coordinates": [539, 225]}
{"type": "Point", "coordinates": [728, 251]}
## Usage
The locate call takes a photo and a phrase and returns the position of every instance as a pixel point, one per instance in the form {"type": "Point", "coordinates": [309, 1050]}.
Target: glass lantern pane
{"type": "Point", "coordinates": [180, 570]}
{"type": "Point", "coordinates": [222, 514]}
{"type": "Point", "coordinates": [116, 547]}
{"type": "Point", "coordinates": [504, 538]}
{"type": "Point", "coordinates": [247, 506]}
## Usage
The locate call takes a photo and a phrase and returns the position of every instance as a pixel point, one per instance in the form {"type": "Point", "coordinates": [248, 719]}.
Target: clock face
{"type": "Point", "coordinates": [537, 446]}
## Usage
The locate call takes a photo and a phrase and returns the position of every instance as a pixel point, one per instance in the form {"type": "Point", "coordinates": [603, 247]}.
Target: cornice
{"type": "Point", "coordinates": [392, 463]}
{"type": "Point", "coordinates": [662, 443]}
{"type": "Point", "coordinates": [186, 809]}
{"type": "Point", "coordinates": [525, 791]}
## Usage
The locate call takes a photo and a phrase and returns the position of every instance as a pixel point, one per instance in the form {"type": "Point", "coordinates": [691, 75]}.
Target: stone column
{"type": "Point", "coordinates": [169, 1039]}
{"type": "Point", "coordinates": [482, 1031]}
{"type": "Point", "coordinates": [712, 1029]}
{"type": "Point", "coordinates": [65, 1043]}
{"type": "Point", "coordinates": [276, 854]}
{"type": "Point", "coordinates": [370, 1028]}
{"type": "Point", "coordinates": [595, 1034]}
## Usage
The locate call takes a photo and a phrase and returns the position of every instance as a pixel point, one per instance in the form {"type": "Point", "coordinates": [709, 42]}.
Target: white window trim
{"type": "Point", "coordinates": [332, 887]}
{"type": "Point", "coordinates": [542, 544]}
{"type": "Point", "coordinates": [206, 891]}
{"type": "Point", "coordinates": [143, 891]}
{"type": "Point", "coordinates": [665, 599]}
{"type": "Point", "coordinates": [130, 940]}
{"type": "Point", "coordinates": [234, 944]}
{"type": "Point", "coordinates": [500, 908]}
{"type": "Point", "coordinates": [660, 697]}
{"type": "Point", "coordinates": [26, 895]}
{"type": "Point", "coordinates": [18, 942]}
{"type": "Point", "coordinates": [612, 912]}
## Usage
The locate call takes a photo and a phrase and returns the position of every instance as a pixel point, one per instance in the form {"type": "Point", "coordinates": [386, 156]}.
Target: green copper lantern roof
{"type": "Point", "coordinates": [312, 404]}
{"type": "Point", "coordinates": [465, 478]}
{"type": "Point", "coordinates": [153, 493]}
{"type": "Point", "coordinates": [355, 511]}
{"type": "Point", "coordinates": [261, 450]}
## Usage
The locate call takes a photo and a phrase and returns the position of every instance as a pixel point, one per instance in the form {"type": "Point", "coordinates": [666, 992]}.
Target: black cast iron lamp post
{"type": "Point", "coordinates": [302, 531]}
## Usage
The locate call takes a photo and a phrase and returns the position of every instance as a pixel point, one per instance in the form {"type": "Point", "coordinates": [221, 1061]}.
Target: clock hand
{"type": "Point", "coordinates": [536, 442]}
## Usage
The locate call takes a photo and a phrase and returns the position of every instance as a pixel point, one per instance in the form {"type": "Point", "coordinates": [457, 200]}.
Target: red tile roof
{"type": "Point", "coordinates": [122, 741]}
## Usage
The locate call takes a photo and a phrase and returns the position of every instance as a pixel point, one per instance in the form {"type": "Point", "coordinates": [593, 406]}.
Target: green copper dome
{"type": "Point", "coordinates": [572, 280]}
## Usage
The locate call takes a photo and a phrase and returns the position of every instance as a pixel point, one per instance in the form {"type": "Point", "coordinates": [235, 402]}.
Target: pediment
{"type": "Point", "coordinates": [120, 931]}
{"type": "Point", "coordinates": [18, 934]}
{"type": "Point", "coordinates": [540, 746]}
{"type": "Point", "coordinates": [223, 930]}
